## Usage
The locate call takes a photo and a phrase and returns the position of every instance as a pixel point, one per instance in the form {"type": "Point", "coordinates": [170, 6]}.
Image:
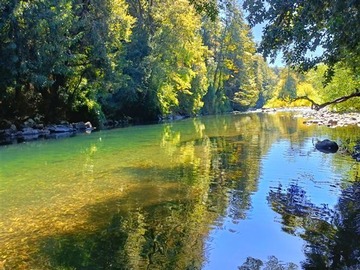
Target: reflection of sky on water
{"type": "Point", "coordinates": [260, 235]}
{"type": "Point", "coordinates": [145, 197]}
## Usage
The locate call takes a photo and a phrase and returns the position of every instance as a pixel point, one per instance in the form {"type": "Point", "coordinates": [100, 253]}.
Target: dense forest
{"type": "Point", "coordinates": [96, 60]}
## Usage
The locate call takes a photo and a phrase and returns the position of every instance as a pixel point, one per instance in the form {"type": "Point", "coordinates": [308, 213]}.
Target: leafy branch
{"type": "Point", "coordinates": [318, 107]}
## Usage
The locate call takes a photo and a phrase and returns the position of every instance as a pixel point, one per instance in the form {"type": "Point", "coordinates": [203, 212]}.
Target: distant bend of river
{"type": "Point", "coordinates": [247, 191]}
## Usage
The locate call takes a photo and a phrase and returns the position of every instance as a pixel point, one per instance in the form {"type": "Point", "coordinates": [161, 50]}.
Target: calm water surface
{"type": "Point", "coordinates": [225, 192]}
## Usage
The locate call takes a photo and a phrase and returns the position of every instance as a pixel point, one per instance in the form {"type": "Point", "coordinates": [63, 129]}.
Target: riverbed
{"type": "Point", "coordinates": [216, 192]}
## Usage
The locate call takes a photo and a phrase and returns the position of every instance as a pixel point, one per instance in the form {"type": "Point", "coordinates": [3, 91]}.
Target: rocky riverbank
{"type": "Point", "coordinates": [326, 118]}
{"type": "Point", "coordinates": [331, 119]}
{"type": "Point", "coordinates": [33, 130]}
{"type": "Point", "coordinates": [322, 117]}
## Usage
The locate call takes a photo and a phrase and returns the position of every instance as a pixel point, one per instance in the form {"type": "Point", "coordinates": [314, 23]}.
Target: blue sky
{"type": "Point", "coordinates": [257, 33]}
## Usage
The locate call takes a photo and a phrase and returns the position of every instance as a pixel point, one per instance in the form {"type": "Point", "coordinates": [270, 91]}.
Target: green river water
{"type": "Point", "coordinates": [245, 191]}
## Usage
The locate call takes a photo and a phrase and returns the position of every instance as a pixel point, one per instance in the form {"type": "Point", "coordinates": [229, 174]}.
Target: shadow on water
{"type": "Point", "coordinates": [158, 236]}
{"type": "Point", "coordinates": [98, 250]}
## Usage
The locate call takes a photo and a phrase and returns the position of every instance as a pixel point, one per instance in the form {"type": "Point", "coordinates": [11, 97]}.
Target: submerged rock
{"type": "Point", "coordinates": [356, 154]}
{"type": "Point", "coordinates": [327, 146]}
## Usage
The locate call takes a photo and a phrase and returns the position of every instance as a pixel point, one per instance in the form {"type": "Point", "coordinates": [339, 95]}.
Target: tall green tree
{"type": "Point", "coordinates": [240, 49]}
{"type": "Point", "coordinates": [62, 54]}
{"type": "Point", "coordinates": [179, 70]}
{"type": "Point", "coordinates": [104, 26]}
{"type": "Point", "coordinates": [265, 80]}
{"type": "Point", "coordinates": [213, 36]}
{"type": "Point", "coordinates": [288, 89]}
{"type": "Point", "coordinates": [35, 36]}
{"type": "Point", "coordinates": [233, 85]}
{"type": "Point", "coordinates": [133, 96]}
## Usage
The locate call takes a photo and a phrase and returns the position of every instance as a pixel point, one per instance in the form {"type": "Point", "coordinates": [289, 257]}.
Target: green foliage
{"type": "Point", "coordinates": [60, 54]}
{"type": "Point", "coordinates": [344, 82]}
{"type": "Point", "coordinates": [292, 85]}
{"type": "Point", "coordinates": [288, 89]}
{"type": "Point", "coordinates": [232, 70]}
{"type": "Point", "coordinates": [132, 94]}
{"type": "Point", "coordinates": [238, 58]}
{"type": "Point", "coordinates": [309, 33]}
{"type": "Point", "coordinates": [208, 7]}
{"type": "Point", "coordinates": [298, 28]}
{"type": "Point", "coordinates": [80, 60]}
{"type": "Point", "coordinates": [178, 59]}
{"type": "Point", "coordinates": [265, 80]}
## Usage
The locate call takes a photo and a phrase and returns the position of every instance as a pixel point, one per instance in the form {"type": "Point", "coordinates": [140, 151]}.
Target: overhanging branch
{"type": "Point", "coordinates": [318, 107]}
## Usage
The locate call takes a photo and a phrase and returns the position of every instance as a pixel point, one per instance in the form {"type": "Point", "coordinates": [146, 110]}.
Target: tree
{"type": "Point", "coordinates": [265, 79]}
{"type": "Point", "coordinates": [103, 27]}
{"type": "Point", "coordinates": [208, 7]}
{"type": "Point", "coordinates": [178, 68]}
{"type": "Point", "coordinates": [288, 89]}
{"type": "Point", "coordinates": [298, 28]}
{"type": "Point", "coordinates": [344, 84]}
{"type": "Point", "coordinates": [239, 49]}
{"type": "Point", "coordinates": [231, 70]}
{"type": "Point", "coordinates": [34, 36]}
{"type": "Point", "coordinates": [132, 95]}
{"type": "Point", "coordinates": [309, 33]}
{"type": "Point", "coordinates": [213, 34]}
{"type": "Point", "coordinates": [58, 55]}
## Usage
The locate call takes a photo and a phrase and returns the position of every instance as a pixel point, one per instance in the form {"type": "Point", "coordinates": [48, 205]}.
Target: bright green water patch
{"type": "Point", "coordinates": [201, 193]}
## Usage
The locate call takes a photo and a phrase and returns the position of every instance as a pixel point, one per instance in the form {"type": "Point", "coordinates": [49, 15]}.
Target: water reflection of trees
{"type": "Point", "coordinates": [272, 263]}
{"type": "Point", "coordinates": [202, 173]}
{"type": "Point", "coordinates": [332, 235]}
{"type": "Point", "coordinates": [213, 174]}
{"type": "Point", "coordinates": [161, 236]}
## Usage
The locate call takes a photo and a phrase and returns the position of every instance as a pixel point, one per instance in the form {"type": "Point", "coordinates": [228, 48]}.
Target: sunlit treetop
{"type": "Point", "coordinates": [299, 27]}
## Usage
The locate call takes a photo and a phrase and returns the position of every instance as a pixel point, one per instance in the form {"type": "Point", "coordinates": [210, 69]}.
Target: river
{"type": "Point", "coordinates": [217, 192]}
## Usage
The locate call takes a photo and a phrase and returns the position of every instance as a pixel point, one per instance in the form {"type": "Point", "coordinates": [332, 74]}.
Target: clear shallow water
{"type": "Point", "coordinates": [209, 193]}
